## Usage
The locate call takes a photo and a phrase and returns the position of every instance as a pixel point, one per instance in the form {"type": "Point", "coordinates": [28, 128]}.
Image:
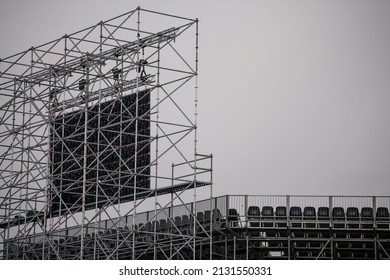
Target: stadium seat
{"type": "Point", "coordinates": [382, 217]}
{"type": "Point", "coordinates": [281, 214]}
{"type": "Point", "coordinates": [217, 215]}
{"type": "Point", "coordinates": [149, 231]}
{"type": "Point", "coordinates": [207, 220]}
{"type": "Point", "coordinates": [163, 228]}
{"type": "Point", "coordinates": [323, 215]}
{"type": "Point", "coordinates": [218, 220]}
{"type": "Point", "coordinates": [338, 215]}
{"type": "Point", "coordinates": [254, 215]}
{"type": "Point", "coordinates": [367, 214]}
{"type": "Point", "coordinates": [185, 224]}
{"type": "Point", "coordinates": [254, 212]}
{"type": "Point", "coordinates": [382, 214]}
{"type": "Point", "coordinates": [163, 225]}
{"type": "Point", "coordinates": [295, 214]}
{"type": "Point", "coordinates": [177, 221]}
{"type": "Point", "coordinates": [200, 221]}
{"type": "Point", "coordinates": [353, 217]}
{"type": "Point", "coordinates": [352, 214]}
{"type": "Point", "coordinates": [141, 232]}
{"type": "Point", "coordinates": [185, 220]}
{"type": "Point", "coordinates": [148, 227]}
{"type": "Point", "coordinates": [309, 213]}
{"type": "Point", "coordinates": [156, 225]}
{"type": "Point", "coordinates": [233, 217]}
{"type": "Point", "coordinates": [267, 213]}
{"type": "Point", "coordinates": [200, 217]}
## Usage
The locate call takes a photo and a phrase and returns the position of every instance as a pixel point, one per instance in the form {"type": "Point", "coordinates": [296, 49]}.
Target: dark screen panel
{"type": "Point", "coordinates": [117, 153]}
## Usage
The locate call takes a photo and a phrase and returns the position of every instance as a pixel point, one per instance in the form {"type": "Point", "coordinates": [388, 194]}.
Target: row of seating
{"type": "Point", "coordinates": [309, 213]}
{"type": "Point", "coordinates": [185, 223]}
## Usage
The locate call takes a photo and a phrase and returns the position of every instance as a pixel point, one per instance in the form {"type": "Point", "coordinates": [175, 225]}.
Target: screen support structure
{"type": "Point", "coordinates": [98, 127]}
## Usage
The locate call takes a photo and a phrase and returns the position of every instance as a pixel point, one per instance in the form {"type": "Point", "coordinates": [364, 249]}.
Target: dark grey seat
{"type": "Point", "coordinates": [232, 217]}
{"type": "Point", "coordinates": [185, 220]}
{"type": "Point", "coordinates": [254, 212]}
{"type": "Point", "coordinates": [309, 213]}
{"type": "Point", "coordinates": [200, 217]}
{"type": "Point", "coordinates": [217, 215]}
{"type": "Point", "coordinates": [207, 216]}
{"type": "Point", "coordinates": [353, 217]}
{"type": "Point", "coordinates": [382, 214]}
{"type": "Point", "coordinates": [295, 215]}
{"type": "Point", "coordinates": [186, 224]}
{"type": "Point", "coordinates": [323, 213]}
{"type": "Point", "coordinates": [254, 215]}
{"type": "Point", "coordinates": [267, 212]}
{"type": "Point", "coordinates": [156, 225]}
{"type": "Point", "coordinates": [218, 219]}
{"type": "Point", "coordinates": [296, 212]}
{"type": "Point", "coordinates": [163, 225]}
{"type": "Point", "coordinates": [149, 227]}
{"type": "Point", "coordinates": [163, 228]}
{"type": "Point", "coordinates": [367, 214]}
{"type": "Point", "coordinates": [267, 216]}
{"type": "Point", "coordinates": [323, 217]}
{"type": "Point", "coordinates": [207, 219]}
{"type": "Point", "coordinates": [177, 221]}
{"type": "Point", "coordinates": [200, 221]}
{"type": "Point", "coordinates": [281, 214]}
{"type": "Point", "coordinates": [338, 216]}
{"type": "Point", "coordinates": [352, 214]}
{"type": "Point", "coordinates": [367, 217]}
{"type": "Point", "coordinates": [338, 213]}
{"type": "Point", "coordinates": [382, 217]}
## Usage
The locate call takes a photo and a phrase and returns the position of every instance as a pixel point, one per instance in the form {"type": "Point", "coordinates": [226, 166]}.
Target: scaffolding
{"type": "Point", "coordinates": [94, 129]}
{"type": "Point", "coordinates": [99, 160]}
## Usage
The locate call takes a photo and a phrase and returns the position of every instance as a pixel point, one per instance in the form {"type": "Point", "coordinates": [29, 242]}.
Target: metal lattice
{"type": "Point", "coordinates": [90, 126]}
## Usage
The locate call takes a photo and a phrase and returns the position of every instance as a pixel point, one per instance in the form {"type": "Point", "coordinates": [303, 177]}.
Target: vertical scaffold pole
{"type": "Point", "coordinates": [98, 132]}
{"type": "Point", "coordinates": [157, 151]}
{"type": "Point", "coordinates": [85, 147]}
{"type": "Point", "coordinates": [195, 130]}
{"type": "Point", "coordinates": [136, 131]}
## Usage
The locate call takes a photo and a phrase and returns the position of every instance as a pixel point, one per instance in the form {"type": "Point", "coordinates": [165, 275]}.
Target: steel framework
{"type": "Point", "coordinates": [90, 125]}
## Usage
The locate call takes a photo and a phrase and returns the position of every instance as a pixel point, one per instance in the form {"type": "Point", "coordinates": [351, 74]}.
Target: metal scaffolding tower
{"type": "Point", "coordinates": [99, 160]}
{"type": "Point", "coordinates": [94, 129]}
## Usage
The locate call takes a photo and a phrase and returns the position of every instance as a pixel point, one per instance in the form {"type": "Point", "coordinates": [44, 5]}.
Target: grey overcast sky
{"type": "Point", "coordinates": [294, 95]}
